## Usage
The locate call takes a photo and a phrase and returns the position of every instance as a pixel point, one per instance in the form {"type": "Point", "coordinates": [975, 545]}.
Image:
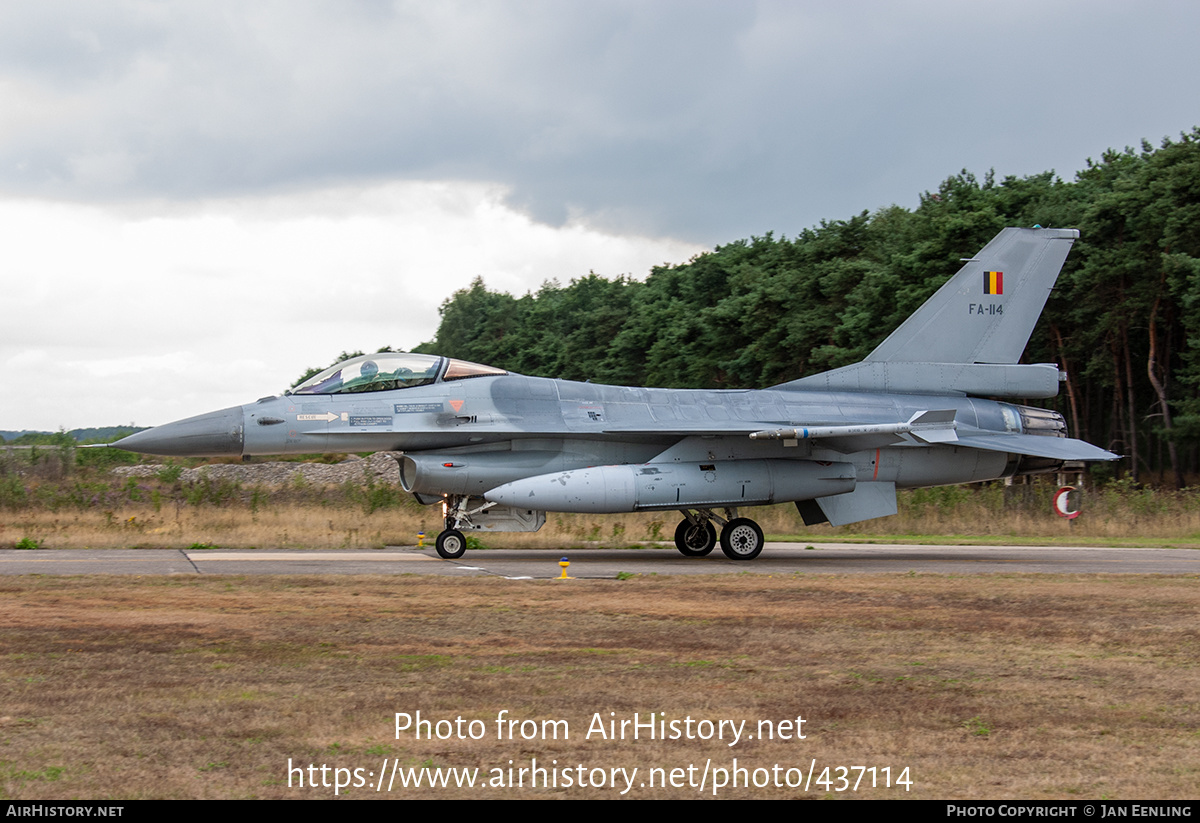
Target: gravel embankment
{"type": "Point", "coordinates": [382, 465]}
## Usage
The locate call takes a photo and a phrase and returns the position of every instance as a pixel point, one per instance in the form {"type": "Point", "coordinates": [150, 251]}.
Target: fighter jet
{"type": "Point", "coordinates": [497, 450]}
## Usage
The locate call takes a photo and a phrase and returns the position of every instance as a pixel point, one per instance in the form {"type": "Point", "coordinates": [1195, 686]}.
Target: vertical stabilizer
{"type": "Point", "coordinates": [986, 312]}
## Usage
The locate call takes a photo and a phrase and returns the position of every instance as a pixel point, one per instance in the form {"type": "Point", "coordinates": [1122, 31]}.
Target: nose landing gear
{"type": "Point", "coordinates": [451, 544]}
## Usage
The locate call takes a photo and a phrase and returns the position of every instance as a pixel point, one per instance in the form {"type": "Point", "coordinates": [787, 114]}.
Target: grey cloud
{"type": "Point", "coordinates": [706, 120]}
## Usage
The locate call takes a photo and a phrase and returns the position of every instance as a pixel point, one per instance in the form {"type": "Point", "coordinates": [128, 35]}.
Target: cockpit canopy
{"type": "Point", "coordinates": [386, 371]}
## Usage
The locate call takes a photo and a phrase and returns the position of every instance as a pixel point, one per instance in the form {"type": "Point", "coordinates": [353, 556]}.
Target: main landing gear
{"type": "Point", "coordinates": [696, 536]}
{"type": "Point", "coordinates": [695, 539]}
{"type": "Point", "coordinates": [741, 538]}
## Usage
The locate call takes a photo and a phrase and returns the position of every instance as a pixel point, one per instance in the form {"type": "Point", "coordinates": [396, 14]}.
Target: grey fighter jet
{"type": "Point", "coordinates": [498, 450]}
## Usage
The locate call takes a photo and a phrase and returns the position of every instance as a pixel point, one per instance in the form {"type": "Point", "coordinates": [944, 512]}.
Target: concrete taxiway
{"type": "Point", "coordinates": [777, 558]}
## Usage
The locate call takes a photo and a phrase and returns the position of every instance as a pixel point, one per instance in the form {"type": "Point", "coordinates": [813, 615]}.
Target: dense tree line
{"type": "Point", "coordinates": [1123, 320]}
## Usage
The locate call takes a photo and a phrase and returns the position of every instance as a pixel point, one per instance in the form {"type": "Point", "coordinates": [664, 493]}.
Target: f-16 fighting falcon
{"type": "Point", "coordinates": [498, 450]}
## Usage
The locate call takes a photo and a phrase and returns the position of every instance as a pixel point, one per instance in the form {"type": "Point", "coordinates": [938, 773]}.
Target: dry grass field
{"type": "Point", "coordinates": [50, 503]}
{"type": "Point", "coordinates": [303, 527]}
{"type": "Point", "coordinates": [1029, 687]}
{"type": "Point", "coordinates": [952, 515]}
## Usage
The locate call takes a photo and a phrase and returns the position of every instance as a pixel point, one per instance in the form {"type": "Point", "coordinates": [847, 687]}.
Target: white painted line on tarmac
{"type": "Point", "coordinates": [382, 557]}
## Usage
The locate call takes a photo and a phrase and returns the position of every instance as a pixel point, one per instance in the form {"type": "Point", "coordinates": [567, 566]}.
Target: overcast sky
{"type": "Point", "coordinates": [199, 200]}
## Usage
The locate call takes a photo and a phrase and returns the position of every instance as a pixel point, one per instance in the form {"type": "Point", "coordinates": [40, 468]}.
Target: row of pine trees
{"type": "Point", "coordinates": [1124, 320]}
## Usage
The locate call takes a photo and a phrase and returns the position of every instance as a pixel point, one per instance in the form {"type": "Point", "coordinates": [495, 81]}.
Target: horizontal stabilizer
{"type": "Point", "coordinates": [1057, 448]}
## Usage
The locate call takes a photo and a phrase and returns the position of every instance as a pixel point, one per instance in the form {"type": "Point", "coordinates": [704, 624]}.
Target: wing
{"type": "Point", "coordinates": [924, 427]}
{"type": "Point", "coordinates": [933, 427]}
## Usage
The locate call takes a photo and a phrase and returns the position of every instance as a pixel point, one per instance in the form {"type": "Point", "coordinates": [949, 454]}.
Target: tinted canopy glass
{"type": "Point", "coordinates": [383, 371]}
{"type": "Point", "coordinates": [462, 369]}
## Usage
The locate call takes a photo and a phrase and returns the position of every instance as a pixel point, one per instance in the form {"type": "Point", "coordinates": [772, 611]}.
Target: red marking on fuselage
{"type": "Point", "coordinates": [876, 474]}
{"type": "Point", "coordinates": [456, 405]}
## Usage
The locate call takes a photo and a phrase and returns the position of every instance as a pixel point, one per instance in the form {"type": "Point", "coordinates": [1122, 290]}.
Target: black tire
{"type": "Point", "coordinates": [694, 540]}
{"type": "Point", "coordinates": [741, 539]}
{"type": "Point", "coordinates": [451, 544]}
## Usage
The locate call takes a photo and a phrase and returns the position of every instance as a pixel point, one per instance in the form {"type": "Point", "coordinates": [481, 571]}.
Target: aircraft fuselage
{"type": "Point", "coordinates": [501, 449]}
{"type": "Point", "coordinates": [588, 424]}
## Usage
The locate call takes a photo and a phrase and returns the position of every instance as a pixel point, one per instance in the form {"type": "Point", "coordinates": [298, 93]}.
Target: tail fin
{"type": "Point", "coordinates": [968, 337]}
{"type": "Point", "coordinates": [986, 312]}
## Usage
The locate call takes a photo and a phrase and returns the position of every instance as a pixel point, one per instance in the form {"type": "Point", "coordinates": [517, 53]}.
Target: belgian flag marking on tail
{"type": "Point", "coordinates": [993, 282]}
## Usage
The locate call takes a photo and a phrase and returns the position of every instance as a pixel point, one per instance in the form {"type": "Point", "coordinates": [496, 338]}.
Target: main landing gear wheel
{"type": "Point", "coordinates": [695, 539]}
{"type": "Point", "coordinates": [741, 539]}
{"type": "Point", "coordinates": [451, 544]}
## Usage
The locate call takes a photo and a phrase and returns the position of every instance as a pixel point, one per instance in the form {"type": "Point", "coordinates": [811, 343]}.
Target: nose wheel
{"type": "Point", "coordinates": [451, 544]}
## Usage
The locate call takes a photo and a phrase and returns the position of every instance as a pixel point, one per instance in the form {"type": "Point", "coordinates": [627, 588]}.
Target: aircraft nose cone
{"type": "Point", "coordinates": [205, 435]}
